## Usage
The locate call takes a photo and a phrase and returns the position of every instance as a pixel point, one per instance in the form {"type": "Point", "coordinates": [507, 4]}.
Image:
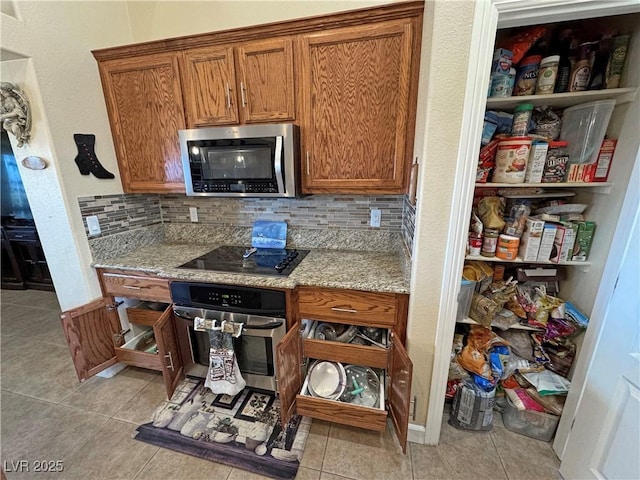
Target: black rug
{"type": "Point", "coordinates": [242, 431]}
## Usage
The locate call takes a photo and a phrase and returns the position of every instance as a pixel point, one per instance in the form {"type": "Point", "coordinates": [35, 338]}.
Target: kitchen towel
{"type": "Point", "coordinates": [224, 375]}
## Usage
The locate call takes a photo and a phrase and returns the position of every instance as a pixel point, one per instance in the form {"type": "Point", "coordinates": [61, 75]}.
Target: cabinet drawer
{"type": "Point", "coordinates": [144, 288]}
{"type": "Point", "coordinates": [370, 418]}
{"type": "Point", "coordinates": [128, 354]}
{"type": "Point", "coordinates": [346, 353]}
{"type": "Point", "coordinates": [143, 316]}
{"type": "Point", "coordinates": [348, 306]}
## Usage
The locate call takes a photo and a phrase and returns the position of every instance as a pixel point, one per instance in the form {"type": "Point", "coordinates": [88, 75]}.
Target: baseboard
{"type": "Point", "coordinates": [417, 433]}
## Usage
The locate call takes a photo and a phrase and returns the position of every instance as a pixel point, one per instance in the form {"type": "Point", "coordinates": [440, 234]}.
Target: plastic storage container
{"type": "Point", "coordinates": [527, 422]}
{"type": "Point", "coordinates": [584, 127]}
{"type": "Point", "coordinates": [464, 299]}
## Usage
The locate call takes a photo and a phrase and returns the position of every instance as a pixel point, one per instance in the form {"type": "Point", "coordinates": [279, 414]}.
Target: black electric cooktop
{"type": "Point", "coordinates": [264, 261]}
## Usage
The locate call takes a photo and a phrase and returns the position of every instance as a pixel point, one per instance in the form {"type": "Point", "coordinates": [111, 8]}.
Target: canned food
{"type": "Point", "coordinates": [507, 248]}
{"type": "Point", "coordinates": [475, 244]}
{"type": "Point", "coordinates": [511, 160]}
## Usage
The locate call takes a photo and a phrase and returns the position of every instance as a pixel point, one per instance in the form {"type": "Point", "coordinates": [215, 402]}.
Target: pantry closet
{"type": "Point", "coordinates": [604, 200]}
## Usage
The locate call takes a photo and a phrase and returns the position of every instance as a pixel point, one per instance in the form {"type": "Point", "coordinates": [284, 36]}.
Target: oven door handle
{"type": "Point", "coordinates": [247, 328]}
{"type": "Point", "coordinates": [277, 164]}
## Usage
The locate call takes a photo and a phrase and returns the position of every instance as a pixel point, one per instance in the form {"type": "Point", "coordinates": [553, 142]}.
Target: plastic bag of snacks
{"type": "Point", "coordinates": [472, 407]}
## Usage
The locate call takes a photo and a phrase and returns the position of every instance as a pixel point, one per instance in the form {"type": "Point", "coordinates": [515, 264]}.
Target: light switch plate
{"type": "Point", "coordinates": [193, 214]}
{"type": "Point", "coordinates": [375, 217]}
{"type": "Point", "coordinates": [93, 225]}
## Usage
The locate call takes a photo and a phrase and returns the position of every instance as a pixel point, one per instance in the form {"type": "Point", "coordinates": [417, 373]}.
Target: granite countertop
{"type": "Point", "coordinates": [348, 269]}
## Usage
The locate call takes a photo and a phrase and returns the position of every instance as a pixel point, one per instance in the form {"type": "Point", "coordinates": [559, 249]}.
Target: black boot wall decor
{"type": "Point", "coordinates": [86, 160]}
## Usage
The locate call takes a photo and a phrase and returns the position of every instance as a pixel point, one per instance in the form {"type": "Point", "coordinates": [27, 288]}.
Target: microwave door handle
{"type": "Point", "coordinates": [278, 165]}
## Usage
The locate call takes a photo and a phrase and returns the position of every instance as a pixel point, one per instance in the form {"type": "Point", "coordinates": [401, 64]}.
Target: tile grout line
{"type": "Point", "coordinates": [326, 445]}
{"type": "Point", "coordinates": [146, 463]}
{"type": "Point", "coordinates": [504, 468]}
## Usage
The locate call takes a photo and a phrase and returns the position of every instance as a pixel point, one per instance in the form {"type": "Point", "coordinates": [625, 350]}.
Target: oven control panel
{"type": "Point", "coordinates": [249, 300]}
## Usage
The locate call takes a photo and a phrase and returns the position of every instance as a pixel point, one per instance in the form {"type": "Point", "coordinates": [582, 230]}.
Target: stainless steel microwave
{"type": "Point", "coordinates": [244, 161]}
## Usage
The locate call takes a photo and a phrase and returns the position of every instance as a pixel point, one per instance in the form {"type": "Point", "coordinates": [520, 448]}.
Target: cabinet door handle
{"type": "Point", "coordinates": [307, 162]}
{"type": "Point", "coordinates": [243, 95]}
{"type": "Point", "coordinates": [168, 356]}
{"type": "Point", "coordinates": [348, 310]}
{"type": "Point", "coordinates": [228, 97]}
{"type": "Point", "coordinates": [131, 287]}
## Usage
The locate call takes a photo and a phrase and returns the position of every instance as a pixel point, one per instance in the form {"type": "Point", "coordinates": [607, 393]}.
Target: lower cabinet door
{"type": "Point", "coordinates": [399, 393]}
{"type": "Point", "coordinates": [89, 331]}
{"type": "Point", "coordinates": [168, 351]}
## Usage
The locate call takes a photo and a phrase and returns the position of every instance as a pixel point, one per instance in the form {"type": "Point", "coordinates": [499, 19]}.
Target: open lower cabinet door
{"type": "Point", "coordinates": [172, 367]}
{"type": "Point", "coordinates": [399, 395]}
{"type": "Point", "coordinates": [288, 372]}
{"type": "Point", "coordinates": [89, 331]}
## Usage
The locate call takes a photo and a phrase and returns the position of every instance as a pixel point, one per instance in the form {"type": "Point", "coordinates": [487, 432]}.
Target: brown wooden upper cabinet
{"type": "Point", "coordinates": [144, 103]}
{"type": "Point", "coordinates": [358, 107]}
{"type": "Point", "coordinates": [247, 83]}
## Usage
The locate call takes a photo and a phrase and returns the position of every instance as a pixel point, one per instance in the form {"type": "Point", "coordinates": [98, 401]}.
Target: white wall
{"type": "Point", "coordinates": [156, 20]}
{"type": "Point", "coordinates": [60, 77]}
{"type": "Point", "coordinates": [442, 87]}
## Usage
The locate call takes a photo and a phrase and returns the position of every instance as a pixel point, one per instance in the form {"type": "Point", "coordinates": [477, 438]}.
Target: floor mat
{"type": "Point", "coordinates": [242, 431]}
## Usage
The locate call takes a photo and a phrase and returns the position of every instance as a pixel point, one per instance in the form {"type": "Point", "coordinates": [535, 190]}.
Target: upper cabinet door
{"type": "Point", "coordinates": [356, 86]}
{"type": "Point", "coordinates": [210, 86]}
{"type": "Point", "coordinates": [144, 102]}
{"type": "Point", "coordinates": [266, 83]}
{"type": "Point", "coordinates": [89, 332]}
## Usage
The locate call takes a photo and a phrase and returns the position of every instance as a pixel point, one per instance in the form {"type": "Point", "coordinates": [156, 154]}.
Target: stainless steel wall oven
{"type": "Point", "coordinates": [262, 313]}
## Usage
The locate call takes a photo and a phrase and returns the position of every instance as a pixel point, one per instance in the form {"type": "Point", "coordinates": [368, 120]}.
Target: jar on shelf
{"type": "Point", "coordinates": [521, 119]}
{"type": "Point", "coordinates": [490, 243]}
{"type": "Point", "coordinates": [547, 75]}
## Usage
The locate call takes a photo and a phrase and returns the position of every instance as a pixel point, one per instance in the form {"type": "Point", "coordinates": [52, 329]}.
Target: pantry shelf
{"type": "Point", "coordinates": [544, 185]}
{"type": "Point", "coordinates": [516, 326]}
{"type": "Point", "coordinates": [519, 260]}
{"type": "Point", "coordinates": [563, 100]}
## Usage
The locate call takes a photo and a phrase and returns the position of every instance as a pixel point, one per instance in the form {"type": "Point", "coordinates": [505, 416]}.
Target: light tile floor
{"type": "Point", "coordinates": [48, 415]}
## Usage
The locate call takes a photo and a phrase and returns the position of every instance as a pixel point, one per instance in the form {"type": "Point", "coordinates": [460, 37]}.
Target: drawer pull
{"type": "Point", "coordinates": [131, 287]}
{"type": "Point", "coordinates": [347, 310]}
{"type": "Point", "coordinates": [168, 355]}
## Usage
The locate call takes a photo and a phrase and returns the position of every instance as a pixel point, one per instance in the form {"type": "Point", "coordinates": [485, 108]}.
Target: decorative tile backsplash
{"type": "Point", "coordinates": [325, 212]}
{"type": "Point", "coordinates": [408, 223]}
{"type": "Point", "coordinates": [120, 213]}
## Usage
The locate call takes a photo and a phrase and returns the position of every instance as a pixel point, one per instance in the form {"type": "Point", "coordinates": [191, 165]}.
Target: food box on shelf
{"type": "Point", "coordinates": [583, 241]}
{"type": "Point", "coordinates": [535, 165]}
{"type": "Point", "coordinates": [605, 157]}
{"type": "Point", "coordinates": [546, 242]}
{"type": "Point", "coordinates": [557, 244]}
{"type": "Point", "coordinates": [530, 241]}
{"type": "Point", "coordinates": [530, 423]}
{"type": "Point", "coordinates": [570, 234]}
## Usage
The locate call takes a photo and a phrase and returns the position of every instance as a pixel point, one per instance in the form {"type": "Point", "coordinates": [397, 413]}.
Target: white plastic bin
{"type": "Point", "coordinates": [584, 127]}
